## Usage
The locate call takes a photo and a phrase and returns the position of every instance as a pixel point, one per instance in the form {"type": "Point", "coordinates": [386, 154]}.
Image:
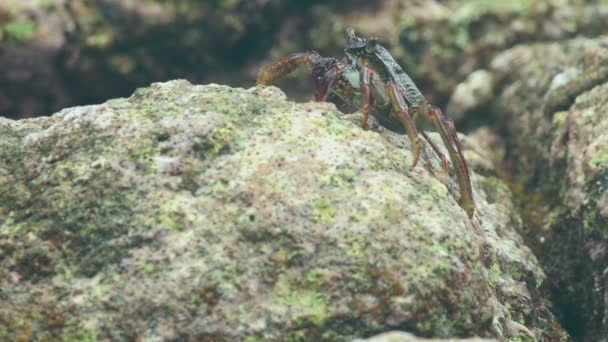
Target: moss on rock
{"type": "Point", "coordinates": [210, 212]}
{"type": "Point", "coordinates": [552, 110]}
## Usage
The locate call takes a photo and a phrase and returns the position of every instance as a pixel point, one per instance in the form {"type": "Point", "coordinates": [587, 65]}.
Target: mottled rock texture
{"type": "Point", "coordinates": [217, 213]}
{"type": "Point", "coordinates": [551, 100]}
{"type": "Point", "coordinates": [395, 336]}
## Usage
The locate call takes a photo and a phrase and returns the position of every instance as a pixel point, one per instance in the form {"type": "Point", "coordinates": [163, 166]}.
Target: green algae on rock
{"type": "Point", "coordinates": [551, 101]}
{"type": "Point", "coordinates": [210, 212]}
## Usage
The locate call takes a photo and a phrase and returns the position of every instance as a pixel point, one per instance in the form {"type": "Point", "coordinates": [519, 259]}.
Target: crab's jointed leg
{"type": "Point", "coordinates": [466, 197]}
{"type": "Point", "coordinates": [365, 75]}
{"type": "Point", "coordinates": [401, 107]}
{"type": "Point", "coordinates": [444, 162]}
{"type": "Point", "coordinates": [448, 134]}
{"type": "Point", "coordinates": [279, 69]}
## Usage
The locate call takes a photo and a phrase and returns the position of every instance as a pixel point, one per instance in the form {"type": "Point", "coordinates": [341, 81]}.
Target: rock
{"type": "Point", "coordinates": [57, 53]}
{"type": "Point", "coordinates": [474, 92]}
{"type": "Point", "coordinates": [551, 104]}
{"type": "Point", "coordinates": [397, 336]}
{"type": "Point", "coordinates": [218, 213]}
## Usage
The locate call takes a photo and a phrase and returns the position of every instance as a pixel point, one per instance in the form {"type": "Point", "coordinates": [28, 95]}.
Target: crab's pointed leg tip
{"type": "Point", "coordinates": [417, 152]}
{"type": "Point", "coordinates": [414, 164]}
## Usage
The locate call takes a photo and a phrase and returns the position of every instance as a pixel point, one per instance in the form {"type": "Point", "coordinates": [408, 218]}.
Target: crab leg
{"type": "Point", "coordinates": [444, 162]}
{"type": "Point", "coordinates": [448, 134]}
{"type": "Point", "coordinates": [400, 106]}
{"type": "Point", "coordinates": [365, 75]}
{"type": "Point", "coordinates": [467, 196]}
{"type": "Point", "coordinates": [276, 70]}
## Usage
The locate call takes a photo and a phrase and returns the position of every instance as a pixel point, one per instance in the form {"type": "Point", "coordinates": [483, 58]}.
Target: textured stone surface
{"type": "Point", "coordinates": [551, 100]}
{"type": "Point", "coordinates": [211, 212]}
{"type": "Point", "coordinates": [396, 336]}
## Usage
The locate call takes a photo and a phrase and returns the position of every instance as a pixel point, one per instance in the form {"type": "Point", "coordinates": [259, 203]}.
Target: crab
{"type": "Point", "coordinates": [370, 78]}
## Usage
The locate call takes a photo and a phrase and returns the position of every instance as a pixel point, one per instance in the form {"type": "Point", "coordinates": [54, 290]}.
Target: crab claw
{"type": "Point", "coordinates": [323, 86]}
{"type": "Point", "coordinates": [325, 75]}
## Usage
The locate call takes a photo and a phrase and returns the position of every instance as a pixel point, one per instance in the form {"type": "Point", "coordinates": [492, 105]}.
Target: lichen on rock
{"type": "Point", "coordinates": [210, 212]}
{"type": "Point", "coordinates": [551, 102]}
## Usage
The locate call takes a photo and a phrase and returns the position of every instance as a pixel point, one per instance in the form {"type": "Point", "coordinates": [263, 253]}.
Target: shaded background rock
{"type": "Point", "coordinates": [210, 212]}
{"type": "Point", "coordinates": [552, 100]}
{"type": "Point", "coordinates": [61, 53]}
{"type": "Point", "coordinates": [52, 57]}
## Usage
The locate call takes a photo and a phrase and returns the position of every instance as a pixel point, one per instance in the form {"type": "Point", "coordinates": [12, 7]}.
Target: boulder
{"type": "Point", "coordinates": [218, 213]}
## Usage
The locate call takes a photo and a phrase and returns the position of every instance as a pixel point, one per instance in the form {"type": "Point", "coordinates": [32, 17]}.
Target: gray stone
{"type": "Point", "coordinates": [218, 213]}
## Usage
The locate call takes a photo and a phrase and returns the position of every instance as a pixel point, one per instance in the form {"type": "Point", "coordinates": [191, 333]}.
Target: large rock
{"type": "Point", "coordinates": [551, 100]}
{"type": "Point", "coordinates": [214, 213]}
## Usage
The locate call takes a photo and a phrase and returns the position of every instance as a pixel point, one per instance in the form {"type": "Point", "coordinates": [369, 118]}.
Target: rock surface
{"type": "Point", "coordinates": [551, 100]}
{"type": "Point", "coordinates": [396, 336]}
{"type": "Point", "coordinates": [209, 212]}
